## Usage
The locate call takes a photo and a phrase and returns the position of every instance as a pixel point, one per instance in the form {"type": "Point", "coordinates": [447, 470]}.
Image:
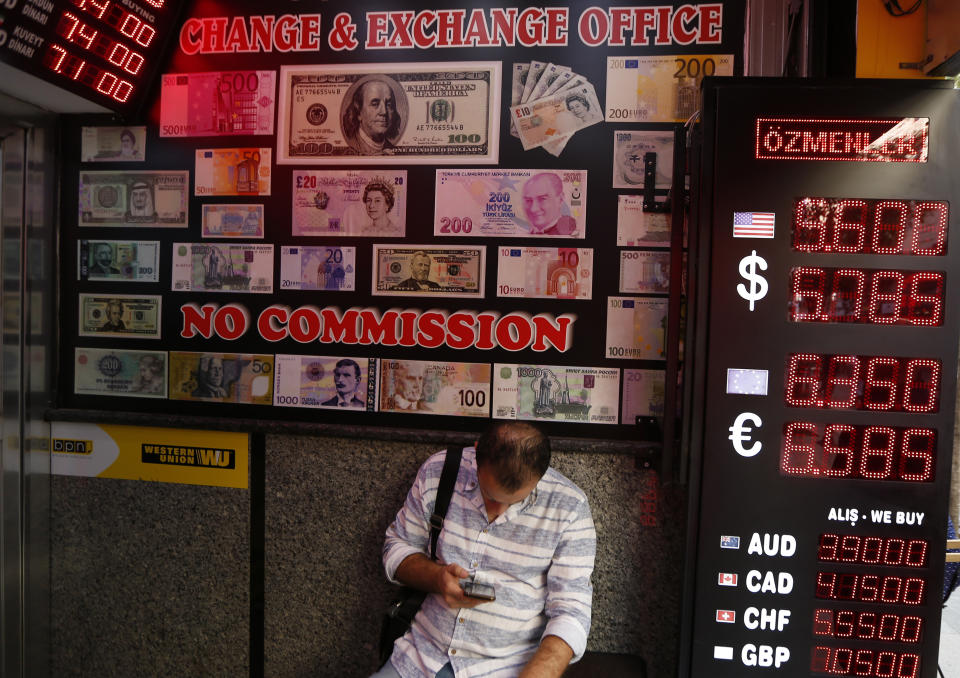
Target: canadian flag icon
{"type": "Point", "coordinates": [726, 616]}
{"type": "Point", "coordinates": [727, 579]}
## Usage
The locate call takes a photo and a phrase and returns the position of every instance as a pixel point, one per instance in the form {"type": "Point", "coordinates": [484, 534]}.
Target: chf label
{"type": "Point", "coordinates": [758, 284]}
{"type": "Point", "coordinates": [740, 433]}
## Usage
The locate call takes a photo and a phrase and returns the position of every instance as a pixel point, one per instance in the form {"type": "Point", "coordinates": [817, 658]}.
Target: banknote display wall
{"type": "Point", "coordinates": [388, 214]}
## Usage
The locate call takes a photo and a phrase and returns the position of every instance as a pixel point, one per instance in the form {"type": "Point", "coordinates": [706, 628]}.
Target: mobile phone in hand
{"type": "Point", "coordinates": [482, 591]}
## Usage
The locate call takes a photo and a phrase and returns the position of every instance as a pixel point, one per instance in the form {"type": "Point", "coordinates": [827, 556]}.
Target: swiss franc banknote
{"type": "Point", "coordinates": [242, 378]}
{"type": "Point", "coordinates": [397, 113]}
{"type": "Point", "coordinates": [318, 268]}
{"type": "Point", "coordinates": [545, 272]}
{"type": "Point", "coordinates": [428, 271]}
{"type": "Point", "coordinates": [134, 199]}
{"type": "Point", "coordinates": [432, 387]}
{"type": "Point", "coordinates": [662, 88]}
{"type": "Point", "coordinates": [130, 260]}
{"type": "Point", "coordinates": [553, 393]}
{"type": "Point", "coordinates": [636, 328]}
{"type": "Point", "coordinates": [113, 144]}
{"type": "Point", "coordinates": [511, 203]}
{"type": "Point", "coordinates": [120, 315]}
{"type": "Point", "coordinates": [232, 221]}
{"type": "Point", "coordinates": [556, 115]}
{"type": "Point", "coordinates": [643, 395]}
{"type": "Point", "coordinates": [105, 371]}
{"type": "Point", "coordinates": [360, 203]}
{"type": "Point", "coordinates": [232, 171]}
{"type": "Point", "coordinates": [630, 148]}
{"type": "Point", "coordinates": [217, 104]}
{"type": "Point", "coordinates": [638, 228]}
{"type": "Point", "coordinates": [644, 272]}
{"type": "Point", "coordinates": [324, 382]}
{"type": "Point", "coordinates": [222, 267]}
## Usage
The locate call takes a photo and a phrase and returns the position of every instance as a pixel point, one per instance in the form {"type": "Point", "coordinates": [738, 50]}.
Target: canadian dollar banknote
{"type": "Point", "coordinates": [325, 382]}
{"type": "Point", "coordinates": [232, 171]}
{"type": "Point", "coordinates": [134, 199]}
{"type": "Point", "coordinates": [113, 144]}
{"type": "Point", "coordinates": [556, 116]}
{"type": "Point", "coordinates": [635, 227]}
{"type": "Point", "coordinates": [630, 148]}
{"type": "Point", "coordinates": [428, 271]}
{"type": "Point", "coordinates": [318, 268]}
{"type": "Point", "coordinates": [433, 387]}
{"type": "Point", "coordinates": [555, 393]}
{"type": "Point", "coordinates": [120, 315]}
{"type": "Point", "coordinates": [242, 378]}
{"type": "Point", "coordinates": [644, 272]}
{"type": "Point", "coordinates": [131, 260]}
{"type": "Point", "coordinates": [636, 327]}
{"type": "Point", "coordinates": [219, 103]}
{"type": "Point", "coordinates": [359, 203]}
{"type": "Point", "coordinates": [106, 371]}
{"type": "Point", "coordinates": [232, 221]}
{"type": "Point", "coordinates": [222, 267]}
{"type": "Point", "coordinates": [545, 272]}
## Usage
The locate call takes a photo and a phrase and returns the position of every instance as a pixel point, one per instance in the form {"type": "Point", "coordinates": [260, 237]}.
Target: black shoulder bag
{"type": "Point", "coordinates": [400, 614]}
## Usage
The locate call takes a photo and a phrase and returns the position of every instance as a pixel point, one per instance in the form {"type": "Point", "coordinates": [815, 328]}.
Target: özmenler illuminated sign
{"type": "Point", "coordinates": [902, 140]}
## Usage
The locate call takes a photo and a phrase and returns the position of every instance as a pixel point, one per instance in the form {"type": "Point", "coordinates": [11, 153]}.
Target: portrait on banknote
{"type": "Point", "coordinates": [359, 203]}
{"type": "Point", "coordinates": [134, 199]}
{"type": "Point", "coordinates": [113, 144]}
{"type": "Point", "coordinates": [120, 315]}
{"type": "Point", "coordinates": [103, 256]}
{"type": "Point", "coordinates": [325, 382]}
{"type": "Point", "coordinates": [222, 377]}
{"type": "Point", "coordinates": [151, 376]}
{"type": "Point", "coordinates": [434, 387]}
{"type": "Point", "coordinates": [437, 271]}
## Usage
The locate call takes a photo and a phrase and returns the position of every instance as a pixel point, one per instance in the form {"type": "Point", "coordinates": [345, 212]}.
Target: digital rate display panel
{"type": "Point", "coordinates": [825, 332]}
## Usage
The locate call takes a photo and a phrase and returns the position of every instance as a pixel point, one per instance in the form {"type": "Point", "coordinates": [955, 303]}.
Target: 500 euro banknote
{"type": "Point", "coordinates": [219, 103]}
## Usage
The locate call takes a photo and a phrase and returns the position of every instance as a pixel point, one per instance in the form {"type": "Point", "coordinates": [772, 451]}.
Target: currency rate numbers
{"type": "Point", "coordinates": [894, 628]}
{"type": "Point", "coordinates": [863, 662]}
{"type": "Point", "coordinates": [873, 550]}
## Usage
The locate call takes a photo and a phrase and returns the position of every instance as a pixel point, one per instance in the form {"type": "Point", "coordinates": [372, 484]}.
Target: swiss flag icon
{"type": "Point", "coordinates": [726, 616]}
{"type": "Point", "coordinates": [727, 579]}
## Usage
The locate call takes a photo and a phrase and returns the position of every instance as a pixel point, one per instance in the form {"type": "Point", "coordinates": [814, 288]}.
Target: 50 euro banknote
{"type": "Point", "coordinates": [433, 387]}
{"type": "Point", "coordinates": [222, 267]}
{"type": "Point", "coordinates": [242, 378]}
{"type": "Point", "coordinates": [134, 199]}
{"type": "Point", "coordinates": [428, 271]}
{"type": "Point", "coordinates": [556, 393]}
{"type": "Point", "coordinates": [232, 171]}
{"type": "Point", "coordinates": [105, 371]}
{"type": "Point", "coordinates": [556, 116]}
{"type": "Point", "coordinates": [326, 383]}
{"type": "Point", "coordinates": [545, 272]}
{"type": "Point", "coordinates": [218, 103]}
{"type": "Point", "coordinates": [360, 203]}
{"type": "Point", "coordinates": [318, 268]}
{"type": "Point", "coordinates": [130, 260]}
{"type": "Point", "coordinates": [120, 315]}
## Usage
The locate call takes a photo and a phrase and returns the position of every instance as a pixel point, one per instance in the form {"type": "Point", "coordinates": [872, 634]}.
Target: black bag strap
{"type": "Point", "coordinates": [448, 478]}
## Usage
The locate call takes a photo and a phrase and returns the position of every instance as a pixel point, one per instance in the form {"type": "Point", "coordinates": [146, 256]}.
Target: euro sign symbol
{"type": "Point", "coordinates": [758, 284]}
{"type": "Point", "coordinates": [740, 433]}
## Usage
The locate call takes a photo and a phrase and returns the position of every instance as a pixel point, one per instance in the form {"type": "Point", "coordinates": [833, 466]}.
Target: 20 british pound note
{"type": "Point", "coordinates": [107, 371]}
{"type": "Point", "coordinates": [219, 103]}
{"type": "Point", "coordinates": [222, 377]}
{"type": "Point", "coordinates": [359, 203]}
{"type": "Point", "coordinates": [157, 199]}
{"type": "Point", "coordinates": [555, 393]}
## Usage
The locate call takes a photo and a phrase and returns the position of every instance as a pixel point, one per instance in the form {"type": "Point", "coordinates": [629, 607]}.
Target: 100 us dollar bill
{"type": "Point", "coordinates": [435, 387]}
{"type": "Point", "coordinates": [326, 383]}
{"type": "Point", "coordinates": [156, 199]}
{"type": "Point", "coordinates": [114, 372]}
{"type": "Point", "coordinates": [556, 393]}
{"type": "Point", "coordinates": [242, 378]}
{"type": "Point", "coordinates": [120, 315]}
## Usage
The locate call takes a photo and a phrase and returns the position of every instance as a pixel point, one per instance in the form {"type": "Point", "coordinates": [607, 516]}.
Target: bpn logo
{"type": "Point", "coordinates": [67, 446]}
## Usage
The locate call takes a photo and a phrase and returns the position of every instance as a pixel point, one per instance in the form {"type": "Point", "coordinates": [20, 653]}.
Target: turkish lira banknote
{"type": "Point", "coordinates": [630, 148]}
{"type": "Point", "coordinates": [134, 199]}
{"type": "Point", "coordinates": [243, 378]}
{"type": "Point", "coordinates": [130, 260]}
{"type": "Point", "coordinates": [545, 272]}
{"type": "Point", "coordinates": [434, 387]}
{"type": "Point", "coordinates": [556, 115]}
{"type": "Point", "coordinates": [218, 103]}
{"type": "Point", "coordinates": [428, 271]}
{"type": "Point", "coordinates": [554, 393]}
{"type": "Point", "coordinates": [120, 315]}
{"type": "Point", "coordinates": [325, 382]}
{"type": "Point", "coordinates": [636, 328]}
{"type": "Point", "coordinates": [237, 220]}
{"type": "Point", "coordinates": [232, 171]}
{"type": "Point", "coordinates": [644, 272]}
{"type": "Point", "coordinates": [359, 203]}
{"type": "Point", "coordinates": [107, 371]}
{"type": "Point", "coordinates": [113, 144]}
{"type": "Point", "coordinates": [397, 113]}
{"type": "Point", "coordinates": [635, 227]}
{"type": "Point", "coordinates": [643, 395]}
{"type": "Point", "coordinates": [222, 267]}
{"type": "Point", "coordinates": [329, 268]}
{"type": "Point", "coordinates": [511, 203]}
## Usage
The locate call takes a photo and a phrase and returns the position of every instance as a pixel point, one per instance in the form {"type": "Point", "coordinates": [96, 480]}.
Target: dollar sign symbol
{"type": "Point", "coordinates": [758, 284]}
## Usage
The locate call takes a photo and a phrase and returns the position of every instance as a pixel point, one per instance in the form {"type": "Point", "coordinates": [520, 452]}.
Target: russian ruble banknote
{"type": "Point", "coordinates": [434, 387]}
{"type": "Point", "coordinates": [120, 315]}
{"type": "Point", "coordinates": [644, 271]}
{"type": "Point", "coordinates": [134, 199]}
{"type": "Point", "coordinates": [432, 113]}
{"type": "Point", "coordinates": [554, 393]}
{"type": "Point", "coordinates": [113, 144]}
{"type": "Point", "coordinates": [643, 395]}
{"type": "Point", "coordinates": [243, 378]}
{"type": "Point", "coordinates": [629, 150]}
{"type": "Point", "coordinates": [661, 88]}
{"type": "Point", "coordinates": [635, 227]}
{"type": "Point", "coordinates": [218, 103]}
{"type": "Point", "coordinates": [326, 383]}
{"type": "Point", "coordinates": [556, 116]}
{"type": "Point", "coordinates": [318, 268]}
{"type": "Point", "coordinates": [428, 271]}
{"type": "Point", "coordinates": [359, 203]}
{"type": "Point", "coordinates": [545, 272]}
{"type": "Point", "coordinates": [232, 221]}
{"type": "Point", "coordinates": [636, 328]}
{"type": "Point", "coordinates": [222, 267]}
{"type": "Point", "coordinates": [512, 203]}
{"type": "Point", "coordinates": [107, 371]}
{"type": "Point", "coordinates": [130, 260]}
{"type": "Point", "coordinates": [232, 171]}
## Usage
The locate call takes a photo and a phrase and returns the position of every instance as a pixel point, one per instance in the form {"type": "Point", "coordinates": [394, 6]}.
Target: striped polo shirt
{"type": "Point", "coordinates": [538, 554]}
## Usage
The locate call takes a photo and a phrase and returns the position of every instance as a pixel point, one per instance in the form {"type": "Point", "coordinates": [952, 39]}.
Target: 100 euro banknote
{"type": "Point", "coordinates": [545, 272]}
{"type": "Point", "coordinates": [134, 199]}
{"type": "Point", "coordinates": [232, 171]}
{"type": "Point", "coordinates": [555, 393]}
{"type": "Point", "coordinates": [120, 315]}
{"type": "Point", "coordinates": [433, 387]}
{"type": "Point", "coordinates": [219, 103]}
{"type": "Point", "coordinates": [105, 371]}
{"type": "Point", "coordinates": [222, 267]}
{"type": "Point", "coordinates": [636, 328]}
{"type": "Point", "coordinates": [232, 221]}
{"type": "Point", "coordinates": [318, 268]}
{"type": "Point", "coordinates": [428, 271]}
{"type": "Point", "coordinates": [113, 144]}
{"type": "Point", "coordinates": [325, 382]}
{"type": "Point", "coordinates": [359, 203]}
{"type": "Point", "coordinates": [222, 377]}
{"type": "Point", "coordinates": [130, 260]}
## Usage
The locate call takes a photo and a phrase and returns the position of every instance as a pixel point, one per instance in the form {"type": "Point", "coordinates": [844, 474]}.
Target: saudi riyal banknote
{"type": "Point", "coordinates": [113, 144]}
{"type": "Point", "coordinates": [106, 371]}
{"type": "Point", "coordinates": [134, 199]}
{"type": "Point", "coordinates": [636, 328]}
{"type": "Point", "coordinates": [359, 203]}
{"type": "Point", "coordinates": [512, 203]}
{"type": "Point", "coordinates": [545, 272]}
{"type": "Point", "coordinates": [325, 382]}
{"type": "Point", "coordinates": [428, 271]}
{"type": "Point", "coordinates": [644, 272]}
{"type": "Point", "coordinates": [232, 221]}
{"type": "Point", "coordinates": [130, 260]}
{"type": "Point", "coordinates": [222, 267]}
{"type": "Point", "coordinates": [433, 387]}
{"type": "Point", "coordinates": [120, 315]}
{"type": "Point", "coordinates": [630, 148]}
{"type": "Point", "coordinates": [397, 113]}
{"type": "Point", "coordinates": [556, 115]}
{"type": "Point", "coordinates": [318, 268]}
{"type": "Point", "coordinates": [635, 227]}
{"type": "Point", "coordinates": [661, 88]}
{"type": "Point", "coordinates": [643, 395]}
{"type": "Point", "coordinates": [242, 378]}
{"type": "Point", "coordinates": [232, 171]}
{"type": "Point", "coordinates": [554, 393]}
{"type": "Point", "coordinates": [215, 104]}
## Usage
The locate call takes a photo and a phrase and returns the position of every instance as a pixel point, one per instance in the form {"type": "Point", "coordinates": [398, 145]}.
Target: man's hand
{"type": "Point", "coordinates": [550, 661]}
{"type": "Point", "coordinates": [424, 574]}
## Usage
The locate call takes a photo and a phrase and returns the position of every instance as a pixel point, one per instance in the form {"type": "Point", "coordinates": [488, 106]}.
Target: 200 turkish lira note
{"type": "Point", "coordinates": [219, 103]}
{"type": "Point", "coordinates": [511, 203]}
{"type": "Point", "coordinates": [545, 272]}
{"type": "Point", "coordinates": [636, 328]}
{"type": "Point", "coordinates": [662, 88]}
{"type": "Point", "coordinates": [428, 271]}
{"type": "Point", "coordinates": [629, 150]}
{"type": "Point", "coordinates": [232, 171]}
{"type": "Point", "coordinates": [134, 199]}
{"type": "Point", "coordinates": [242, 378]}
{"type": "Point", "coordinates": [113, 144]}
{"type": "Point", "coordinates": [433, 387]}
{"type": "Point", "coordinates": [325, 383]}
{"type": "Point", "coordinates": [130, 260]}
{"type": "Point", "coordinates": [395, 113]}
{"type": "Point", "coordinates": [318, 268]}
{"type": "Point", "coordinates": [222, 267]}
{"type": "Point", "coordinates": [359, 203]}
{"type": "Point", "coordinates": [635, 227]}
{"type": "Point", "coordinates": [232, 221]}
{"type": "Point", "coordinates": [554, 393]}
{"type": "Point", "coordinates": [643, 395]}
{"type": "Point", "coordinates": [120, 315]}
{"type": "Point", "coordinates": [107, 371]}
{"type": "Point", "coordinates": [644, 272]}
{"type": "Point", "coordinates": [556, 115]}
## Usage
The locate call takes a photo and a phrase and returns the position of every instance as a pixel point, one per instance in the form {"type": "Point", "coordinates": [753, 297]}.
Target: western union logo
{"type": "Point", "coordinates": [67, 446]}
{"type": "Point", "coordinates": [211, 457]}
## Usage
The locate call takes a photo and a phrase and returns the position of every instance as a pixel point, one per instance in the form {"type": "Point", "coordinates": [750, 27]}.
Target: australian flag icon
{"type": "Point", "coordinates": [729, 542]}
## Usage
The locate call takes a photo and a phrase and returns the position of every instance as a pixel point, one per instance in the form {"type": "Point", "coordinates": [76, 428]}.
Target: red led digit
{"type": "Point", "coordinates": [86, 36]}
{"type": "Point", "coordinates": [155, 3]}
{"type": "Point", "coordinates": [886, 665]}
{"type": "Point", "coordinates": [98, 8]}
{"type": "Point", "coordinates": [846, 296]}
{"type": "Point", "coordinates": [839, 447]}
{"type": "Point", "coordinates": [917, 454]}
{"type": "Point", "coordinates": [798, 450]}
{"type": "Point", "coordinates": [891, 590]}
{"type": "Point", "coordinates": [888, 627]}
{"type": "Point", "coordinates": [880, 388]}
{"type": "Point", "coordinates": [849, 548]}
{"type": "Point", "coordinates": [843, 377]}
{"type": "Point", "coordinates": [820, 659]}
{"type": "Point", "coordinates": [869, 588]}
{"type": "Point", "coordinates": [133, 63]}
{"type": "Point", "coordinates": [810, 224]}
{"type": "Point", "coordinates": [849, 227]}
{"type": "Point", "coordinates": [893, 553]}
{"type": "Point", "coordinates": [910, 629]}
{"type": "Point", "coordinates": [866, 625]}
{"type": "Point", "coordinates": [877, 456]}
{"type": "Point", "coordinates": [807, 292]}
{"type": "Point", "coordinates": [916, 553]}
{"type": "Point", "coordinates": [145, 35]}
{"type": "Point", "coordinates": [913, 592]}
{"type": "Point", "coordinates": [828, 547]}
{"type": "Point", "coordinates": [803, 380]}
{"type": "Point", "coordinates": [58, 54]}
{"type": "Point", "coordinates": [872, 546]}
{"type": "Point", "coordinates": [921, 386]}
{"type": "Point", "coordinates": [925, 304]}
{"type": "Point", "coordinates": [909, 666]}
{"type": "Point", "coordinates": [929, 229]}
{"type": "Point", "coordinates": [886, 297]}
{"type": "Point", "coordinates": [844, 624]}
{"type": "Point", "coordinates": [842, 661]}
{"type": "Point", "coordinates": [823, 622]}
{"type": "Point", "coordinates": [826, 584]}
{"type": "Point", "coordinates": [846, 586]}
{"type": "Point", "coordinates": [123, 91]}
{"type": "Point", "coordinates": [889, 225]}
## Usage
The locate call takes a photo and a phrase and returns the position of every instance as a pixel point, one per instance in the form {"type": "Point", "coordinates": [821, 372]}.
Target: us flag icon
{"type": "Point", "coordinates": [726, 616]}
{"type": "Point", "coordinates": [753, 224]}
{"type": "Point", "coordinates": [727, 579]}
